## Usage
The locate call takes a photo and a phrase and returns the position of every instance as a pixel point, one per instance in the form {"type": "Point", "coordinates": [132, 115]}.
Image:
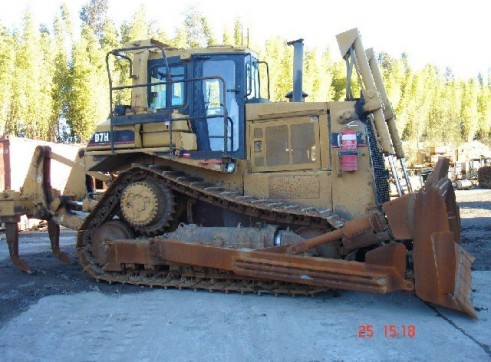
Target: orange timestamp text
{"type": "Point", "coordinates": [389, 331]}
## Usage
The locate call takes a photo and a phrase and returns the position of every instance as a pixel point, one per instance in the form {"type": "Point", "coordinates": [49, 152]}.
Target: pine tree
{"type": "Point", "coordinates": [137, 29]}
{"type": "Point", "coordinates": [27, 108]}
{"type": "Point", "coordinates": [339, 80]}
{"type": "Point", "coordinates": [238, 33]}
{"type": "Point", "coordinates": [325, 77]}
{"type": "Point", "coordinates": [279, 57]}
{"type": "Point", "coordinates": [89, 94]}
{"type": "Point", "coordinates": [7, 71]}
{"type": "Point", "coordinates": [207, 32]}
{"type": "Point", "coordinates": [47, 122]}
{"type": "Point", "coordinates": [110, 37]}
{"type": "Point", "coordinates": [484, 111]}
{"type": "Point", "coordinates": [469, 112]}
{"type": "Point", "coordinates": [310, 74]}
{"type": "Point", "coordinates": [402, 107]}
{"type": "Point", "coordinates": [197, 29]}
{"type": "Point", "coordinates": [181, 39]}
{"type": "Point", "coordinates": [94, 15]}
{"type": "Point", "coordinates": [227, 37]}
{"type": "Point", "coordinates": [61, 72]}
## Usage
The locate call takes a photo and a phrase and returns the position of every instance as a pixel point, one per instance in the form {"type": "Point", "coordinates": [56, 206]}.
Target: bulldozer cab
{"type": "Point", "coordinates": [193, 100]}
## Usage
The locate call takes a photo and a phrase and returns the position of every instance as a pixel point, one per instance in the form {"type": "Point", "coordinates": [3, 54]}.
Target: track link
{"type": "Point", "coordinates": [186, 277]}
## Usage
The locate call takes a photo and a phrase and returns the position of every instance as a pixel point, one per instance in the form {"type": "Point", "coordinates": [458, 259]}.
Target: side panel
{"type": "Point", "coordinates": [123, 137]}
{"type": "Point", "coordinates": [288, 153]}
{"type": "Point", "coordinates": [283, 130]}
{"type": "Point", "coordinates": [285, 144]}
{"type": "Point", "coordinates": [287, 136]}
{"type": "Point", "coordinates": [353, 192]}
{"type": "Point", "coordinates": [309, 188]}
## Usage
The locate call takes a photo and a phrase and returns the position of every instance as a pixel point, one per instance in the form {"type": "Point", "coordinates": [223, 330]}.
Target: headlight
{"type": "Point", "coordinates": [230, 167]}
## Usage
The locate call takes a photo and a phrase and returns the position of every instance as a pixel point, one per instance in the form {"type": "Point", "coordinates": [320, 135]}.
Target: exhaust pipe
{"type": "Point", "coordinates": [297, 95]}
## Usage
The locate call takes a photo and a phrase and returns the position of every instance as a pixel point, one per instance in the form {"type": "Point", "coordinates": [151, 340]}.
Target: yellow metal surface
{"type": "Point", "coordinates": [268, 111]}
{"type": "Point", "coordinates": [285, 144]}
{"type": "Point", "coordinates": [139, 96]}
{"type": "Point", "coordinates": [182, 140]}
{"type": "Point", "coordinates": [353, 192]}
{"type": "Point", "coordinates": [287, 136]}
{"type": "Point", "coordinates": [158, 135]}
{"type": "Point", "coordinates": [309, 188]}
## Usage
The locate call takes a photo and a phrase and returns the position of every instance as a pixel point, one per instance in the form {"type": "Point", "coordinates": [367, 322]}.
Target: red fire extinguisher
{"type": "Point", "coordinates": [348, 154]}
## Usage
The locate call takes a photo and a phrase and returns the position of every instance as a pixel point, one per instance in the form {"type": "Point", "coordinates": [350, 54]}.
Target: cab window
{"type": "Point", "coordinates": [213, 97]}
{"type": "Point", "coordinates": [157, 97]}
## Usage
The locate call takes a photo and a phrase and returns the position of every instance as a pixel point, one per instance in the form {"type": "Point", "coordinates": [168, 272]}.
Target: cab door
{"type": "Point", "coordinates": [220, 91]}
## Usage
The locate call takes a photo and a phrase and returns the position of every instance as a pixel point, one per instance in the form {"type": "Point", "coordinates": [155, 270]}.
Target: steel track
{"type": "Point", "coordinates": [186, 277]}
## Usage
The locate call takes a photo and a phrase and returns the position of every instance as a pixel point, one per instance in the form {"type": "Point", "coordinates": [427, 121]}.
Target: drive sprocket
{"type": "Point", "coordinates": [147, 206]}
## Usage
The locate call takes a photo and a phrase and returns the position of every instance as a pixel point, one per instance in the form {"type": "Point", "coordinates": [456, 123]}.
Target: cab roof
{"type": "Point", "coordinates": [185, 54]}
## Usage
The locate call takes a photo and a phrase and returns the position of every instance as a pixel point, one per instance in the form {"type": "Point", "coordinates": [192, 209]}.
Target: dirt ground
{"type": "Point", "coordinates": [475, 213]}
{"type": "Point", "coordinates": [22, 294]}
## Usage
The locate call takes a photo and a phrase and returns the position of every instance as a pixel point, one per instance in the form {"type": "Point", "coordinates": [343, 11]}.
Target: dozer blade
{"type": "Point", "coordinates": [438, 179]}
{"type": "Point", "coordinates": [442, 269]}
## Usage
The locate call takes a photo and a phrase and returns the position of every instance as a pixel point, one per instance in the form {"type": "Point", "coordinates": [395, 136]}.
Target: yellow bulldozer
{"type": "Point", "coordinates": [202, 182]}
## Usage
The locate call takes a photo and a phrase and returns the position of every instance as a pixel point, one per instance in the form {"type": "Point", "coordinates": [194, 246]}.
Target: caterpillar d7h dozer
{"type": "Point", "coordinates": [211, 186]}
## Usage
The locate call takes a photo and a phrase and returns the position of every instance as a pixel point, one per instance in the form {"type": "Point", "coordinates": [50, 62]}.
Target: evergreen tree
{"type": "Point", "coordinates": [325, 77]}
{"type": "Point", "coordinates": [279, 57]}
{"type": "Point", "coordinates": [49, 122]}
{"type": "Point", "coordinates": [89, 94]}
{"type": "Point", "coordinates": [339, 80]}
{"type": "Point", "coordinates": [138, 28]}
{"type": "Point", "coordinates": [469, 113]}
{"type": "Point", "coordinates": [207, 32]}
{"type": "Point", "coordinates": [110, 37]}
{"type": "Point", "coordinates": [311, 81]}
{"type": "Point", "coordinates": [7, 73]}
{"type": "Point", "coordinates": [451, 117]}
{"type": "Point", "coordinates": [238, 33]}
{"type": "Point", "coordinates": [181, 39]}
{"type": "Point", "coordinates": [61, 72]}
{"type": "Point", "coordinates": [197, 29]}
{"type": "Point", "coordinates": [227, 37]}
{"type": "Point", "coordinates": [27, 109]}
{"type": "Point", "coordinates": [94, 15]}
{"type": "Point", "coordinates": [484, 111]}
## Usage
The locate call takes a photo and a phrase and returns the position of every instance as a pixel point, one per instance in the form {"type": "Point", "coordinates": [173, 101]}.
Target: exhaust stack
{"type": "Point", "coordinates": [297, 95]}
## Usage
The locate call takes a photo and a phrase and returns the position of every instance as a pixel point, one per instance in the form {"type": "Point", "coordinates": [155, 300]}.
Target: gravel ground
{"type": "Point", "coordinates": [60, 313]}
{"type": "Point", "coordinates": [475, 213]}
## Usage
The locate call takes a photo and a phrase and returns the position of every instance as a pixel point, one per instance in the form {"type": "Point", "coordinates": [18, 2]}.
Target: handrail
{"type": "Point", "coordinates": [168, 83]}
{"type": "Point", "coordinates": [117, 53]}
{"type": "Point", "coordinates": [267, 77]}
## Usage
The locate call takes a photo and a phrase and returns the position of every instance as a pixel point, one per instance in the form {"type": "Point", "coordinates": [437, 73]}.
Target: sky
{"type": "Point", "coordinates": [454, 34]}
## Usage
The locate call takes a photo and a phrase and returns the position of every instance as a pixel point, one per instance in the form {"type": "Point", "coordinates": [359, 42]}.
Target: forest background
{"type": "Point", "coordinates": [54, 86]}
